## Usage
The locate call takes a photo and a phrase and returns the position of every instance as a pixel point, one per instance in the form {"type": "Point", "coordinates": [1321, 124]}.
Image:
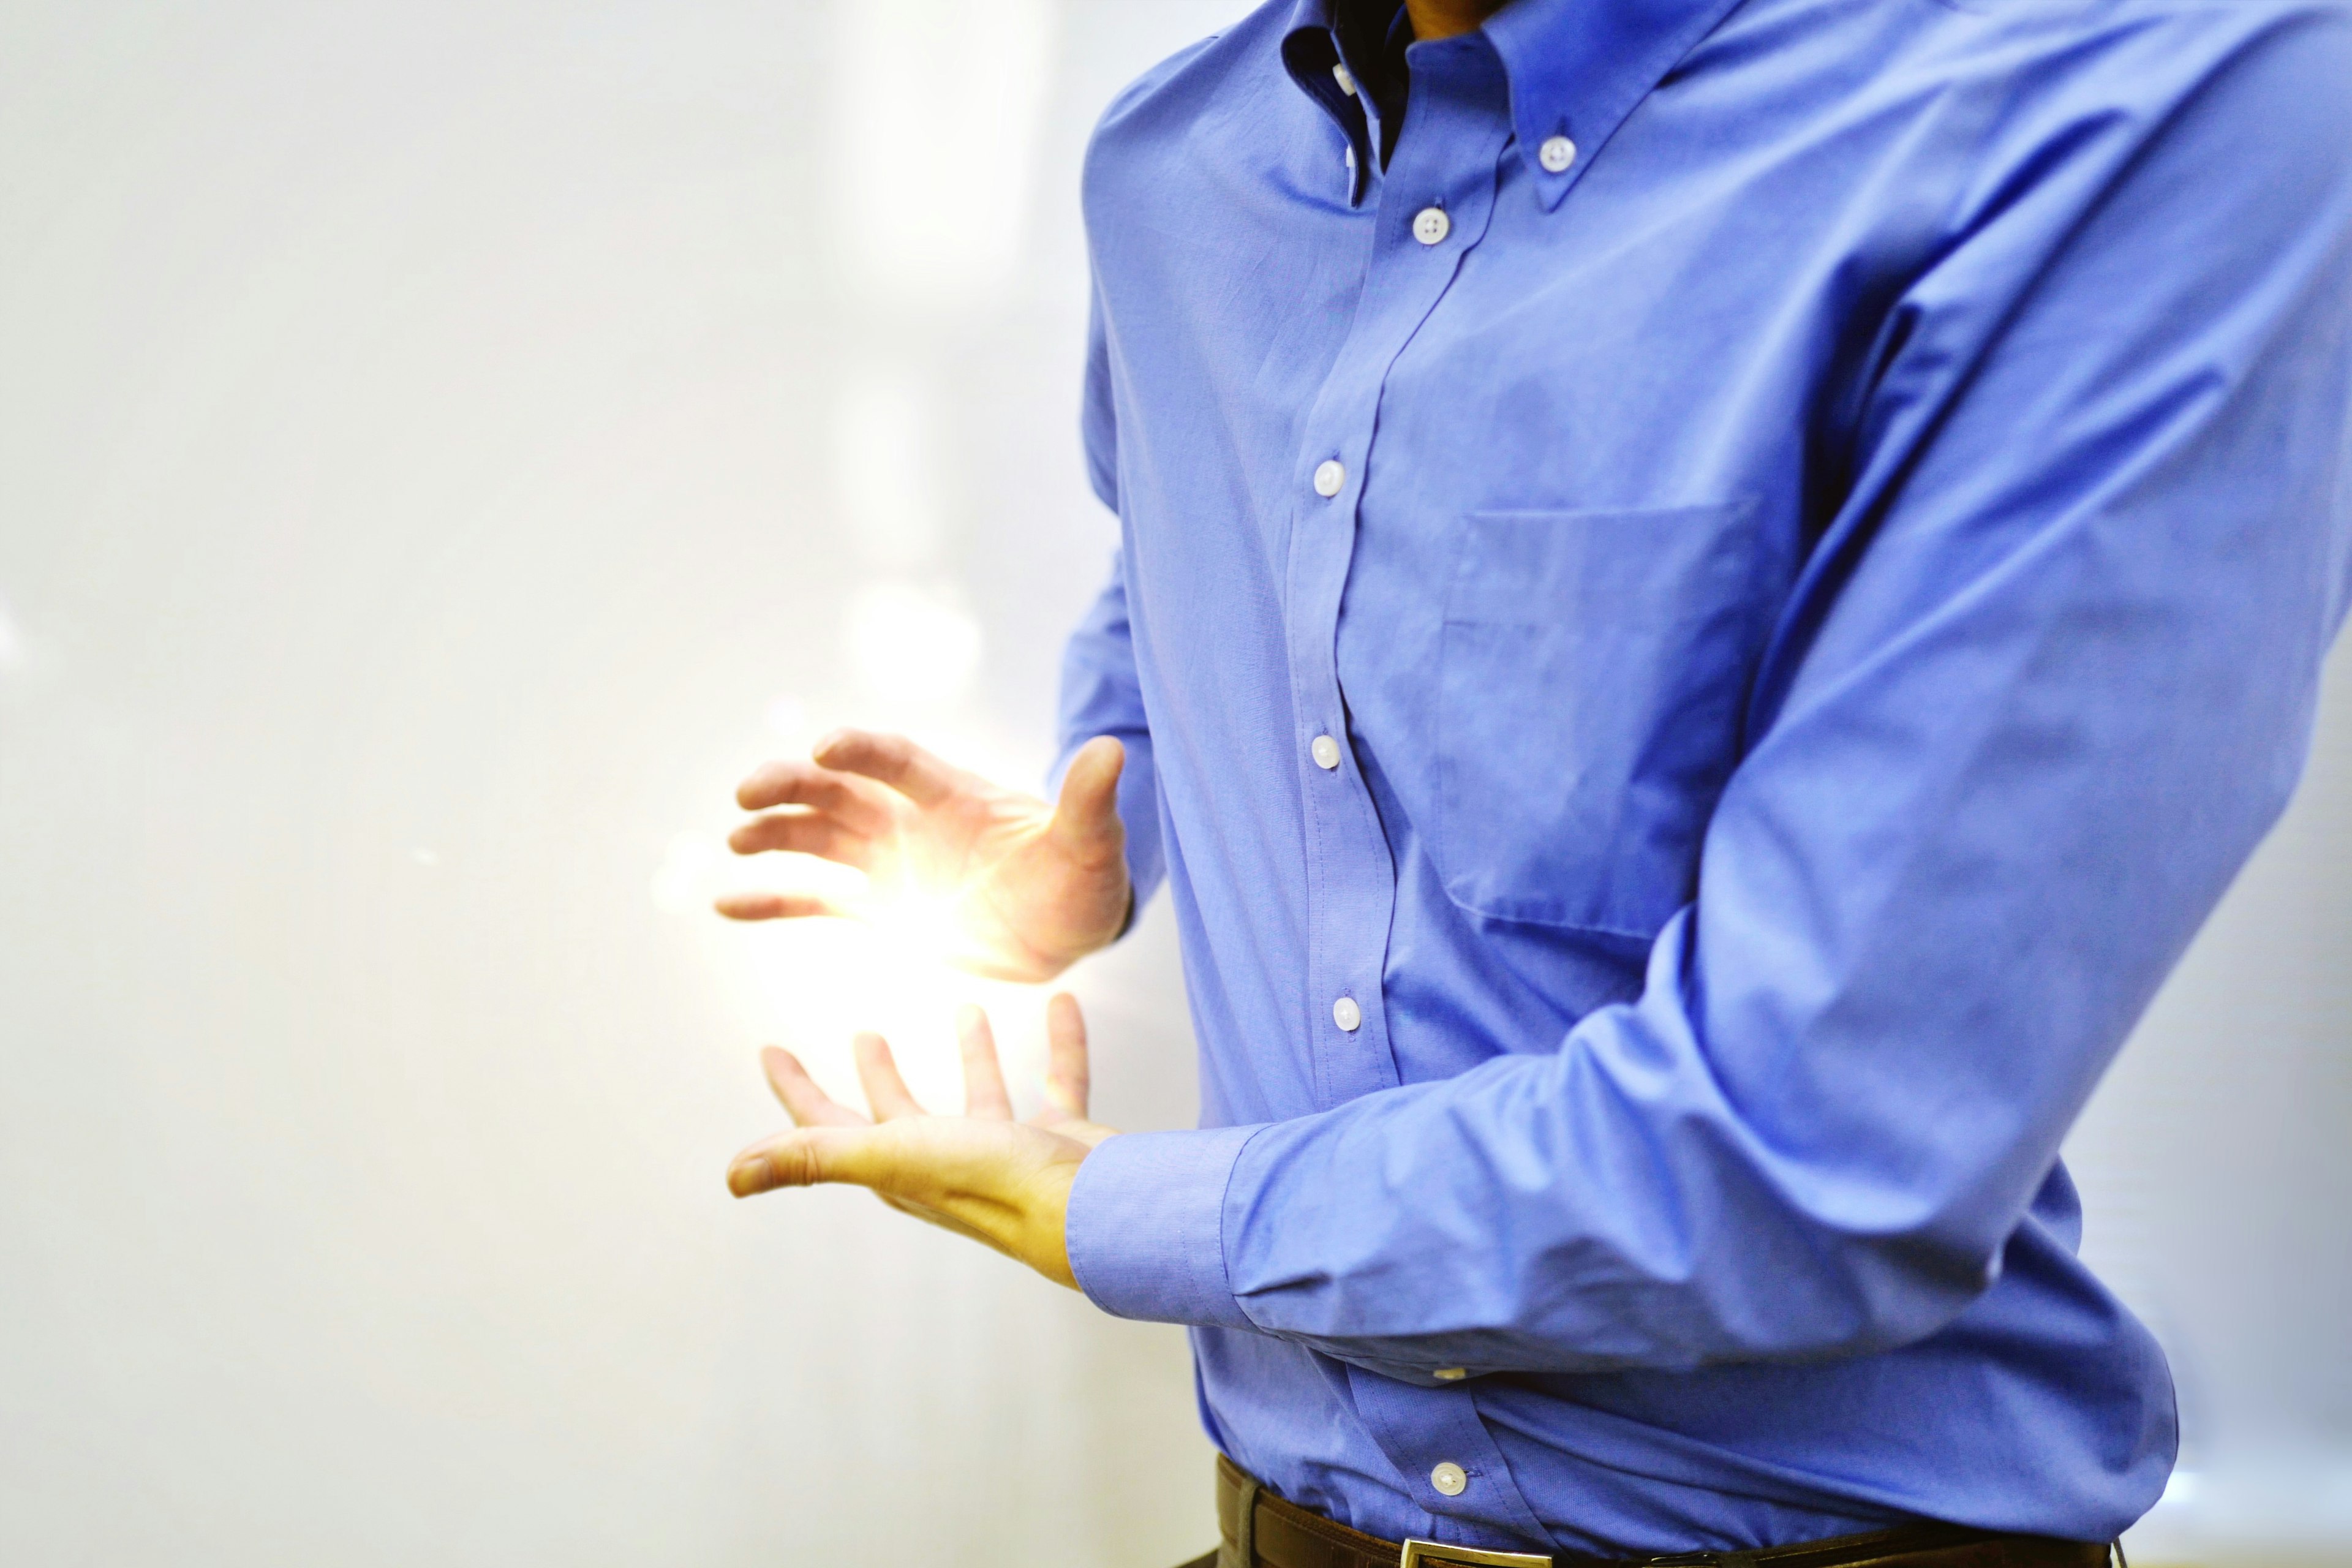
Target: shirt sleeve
{"type": "Point", "coordinates": [1101, 693]}
{"type": "Point", "coordinates": [2050, 674]}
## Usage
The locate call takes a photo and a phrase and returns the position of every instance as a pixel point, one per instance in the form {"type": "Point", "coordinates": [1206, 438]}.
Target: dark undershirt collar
{"type": "Point", "coordinates": [1373, 35]}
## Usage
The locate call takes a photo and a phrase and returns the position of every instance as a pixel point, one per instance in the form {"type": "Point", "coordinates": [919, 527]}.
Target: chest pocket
{"type": "Point", "coordinates": [1593, 666]}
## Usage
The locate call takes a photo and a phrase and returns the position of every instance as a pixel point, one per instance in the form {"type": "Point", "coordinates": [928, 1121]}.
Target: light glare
{"type": "Point", "coordinates": [826, 979]}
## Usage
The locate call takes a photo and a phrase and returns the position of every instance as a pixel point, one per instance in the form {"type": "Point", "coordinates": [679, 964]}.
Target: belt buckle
{"type": "Point", "coordinates": [1433, 1554]}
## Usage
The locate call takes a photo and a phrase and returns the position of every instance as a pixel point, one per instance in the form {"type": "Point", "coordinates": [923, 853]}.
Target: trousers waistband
{"type": "Point", "coordinates": [1259, 1530]}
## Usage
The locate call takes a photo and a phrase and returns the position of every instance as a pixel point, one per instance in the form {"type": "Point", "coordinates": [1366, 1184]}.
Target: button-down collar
{"type": "Point", "coordinates": [1577, 68]}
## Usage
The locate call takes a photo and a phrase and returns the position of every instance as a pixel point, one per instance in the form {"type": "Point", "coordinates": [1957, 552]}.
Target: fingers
{"type": "Point", "coordinates": [1067, 1085]}
{"type": "Point", "coordinates": [779, 907]}
{"type": "Point", "coordinates": [984, 1079]}
{"type": "Point", "coordinates": [1086, 816]}
{"type": "Point", "coordinates": [796, 783]}
{"type": "Point", "coordinates": [878, 1073]}
{"type": "Point", "coordinates": [826, 1146]}
{"type": "Point", "coordinates": [891, 759]}
{"type": "Point", "coordinates": [810, 1105]}
{"type": "Point", "coordinates": [803, 833]}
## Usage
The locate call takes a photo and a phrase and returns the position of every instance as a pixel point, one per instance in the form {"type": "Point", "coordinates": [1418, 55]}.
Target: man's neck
{"type": "Point", "coordinates": [1445, 18]}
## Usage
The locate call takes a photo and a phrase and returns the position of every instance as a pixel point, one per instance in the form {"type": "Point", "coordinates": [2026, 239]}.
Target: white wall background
{"type": "Point", "coordinates": [441, 446]}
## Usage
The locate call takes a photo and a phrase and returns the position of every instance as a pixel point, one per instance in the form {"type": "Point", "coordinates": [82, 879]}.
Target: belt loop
{"type": "Point", "coordinates": [1242, 1551]}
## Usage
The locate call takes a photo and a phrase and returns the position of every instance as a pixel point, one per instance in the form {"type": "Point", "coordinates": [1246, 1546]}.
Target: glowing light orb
{"type": "Point", "coordinates": [826, 979]}
{"type": "Point", "coordinates": [822, 981]}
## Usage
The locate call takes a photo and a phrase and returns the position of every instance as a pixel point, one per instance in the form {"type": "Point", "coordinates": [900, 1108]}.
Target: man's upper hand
{"type": "Point", "coordinates": [1030, 888]}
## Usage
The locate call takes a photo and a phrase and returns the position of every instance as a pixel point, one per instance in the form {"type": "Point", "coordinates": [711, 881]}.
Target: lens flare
{"type": "Point", "coordinates": [888, 971]}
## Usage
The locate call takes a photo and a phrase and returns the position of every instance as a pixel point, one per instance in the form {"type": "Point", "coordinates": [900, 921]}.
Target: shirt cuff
{"type": "Point", "coordinates": [1146, 1226]}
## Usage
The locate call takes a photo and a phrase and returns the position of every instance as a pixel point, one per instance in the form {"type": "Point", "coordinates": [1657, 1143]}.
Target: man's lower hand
{"type": "Point", "coordinates": [981, 1174]}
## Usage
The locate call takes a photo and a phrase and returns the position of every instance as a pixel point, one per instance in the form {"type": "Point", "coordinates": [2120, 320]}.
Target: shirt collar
{"type": "Point", "coordinates": [1577, 68]}
{"type": "Point", "coordinates": [1310, 14]}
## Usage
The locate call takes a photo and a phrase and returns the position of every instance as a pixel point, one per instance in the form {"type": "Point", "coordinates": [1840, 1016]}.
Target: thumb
{"type": "Point", "coordinates": [805, 1157]}
{"type": "Point", "coordinates": [1087, 814]}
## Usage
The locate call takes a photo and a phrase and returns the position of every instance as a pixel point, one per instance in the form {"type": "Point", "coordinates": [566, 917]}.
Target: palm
{"type": "Point", "coordinates": [1027, 887]}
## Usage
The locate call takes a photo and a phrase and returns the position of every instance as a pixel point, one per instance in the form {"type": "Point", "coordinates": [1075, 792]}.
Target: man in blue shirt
{"type": "Point", "coordinates": [1710, 591]}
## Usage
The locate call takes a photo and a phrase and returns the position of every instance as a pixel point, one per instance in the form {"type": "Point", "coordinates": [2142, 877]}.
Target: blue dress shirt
{"type": "Point", "coordinates": [1692, 651]}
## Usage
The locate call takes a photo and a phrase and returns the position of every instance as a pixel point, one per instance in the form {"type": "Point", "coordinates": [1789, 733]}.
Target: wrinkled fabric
{"type": "Point", "coordinates": [1821, 591]}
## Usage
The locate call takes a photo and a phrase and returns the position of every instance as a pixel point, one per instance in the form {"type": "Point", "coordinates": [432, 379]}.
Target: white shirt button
{"type": "Point", "coordinates": [1556, 154]}
{"type": "Point", "coordinates": [1326, 751]}
{"type": "Point", "coordinates": [1431, 225]}
{"type": "Point", "coordinates": [1451, 1374]}
{"type": "Point", "coordinates": [1330, 478]}
{"type": "Point", "coordinates": [1449, 1478]}
{"type": "Point", "coordinates": [1346, 78]}
{"type": "Point", "coordinates": [1347, 1015]}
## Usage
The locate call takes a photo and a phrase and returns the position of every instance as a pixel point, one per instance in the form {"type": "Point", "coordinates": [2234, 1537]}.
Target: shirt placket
{"type": "Point", "coordinates": [1431, 206]}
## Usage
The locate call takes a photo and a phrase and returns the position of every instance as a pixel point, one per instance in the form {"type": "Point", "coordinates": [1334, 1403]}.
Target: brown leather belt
{"type": "Point", "coordinates": [1261, 1530]}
